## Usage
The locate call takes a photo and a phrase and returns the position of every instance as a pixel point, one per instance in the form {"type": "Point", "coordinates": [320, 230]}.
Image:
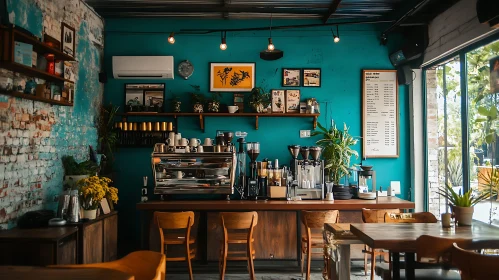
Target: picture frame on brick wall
{"type": "Point", "coordinates": [51, 42]}
{"type": "Point", "coordinates": [68, 38]}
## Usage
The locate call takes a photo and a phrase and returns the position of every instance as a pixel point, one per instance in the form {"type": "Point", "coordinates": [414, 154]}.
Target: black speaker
{"type": "Point", "coordinates": [404, 75]}
{"type": "Point", "coordinates": [103, 77]}
{"type": "Point", "coordinates": [271, 55]}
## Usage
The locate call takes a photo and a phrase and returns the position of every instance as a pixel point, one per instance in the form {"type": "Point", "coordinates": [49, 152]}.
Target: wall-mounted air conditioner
{"type": "Point", "coordinates": [143, 67]}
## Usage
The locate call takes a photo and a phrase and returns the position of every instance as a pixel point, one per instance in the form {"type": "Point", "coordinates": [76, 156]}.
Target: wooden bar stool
{"type": "Point", "coordinates": [171, 221]}
{"type": "Point", "coordinates": [313, 220]}
{"type": "Point", "coordinates": [233, 223]}
{"type": "Point", "coordinates": [375, 216]}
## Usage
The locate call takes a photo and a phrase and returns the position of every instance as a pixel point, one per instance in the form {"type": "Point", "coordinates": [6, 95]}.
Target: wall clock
{"type": "Point", "coordinates": [185, 69]}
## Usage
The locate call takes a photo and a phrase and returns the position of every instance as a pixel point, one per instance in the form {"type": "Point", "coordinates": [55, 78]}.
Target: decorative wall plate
{"type": "Point", "coordinates": [185, 69]}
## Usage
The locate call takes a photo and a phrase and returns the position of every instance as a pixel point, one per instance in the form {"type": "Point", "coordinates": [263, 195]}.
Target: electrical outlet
{"type": "Point", "coordinates": [304, 133]}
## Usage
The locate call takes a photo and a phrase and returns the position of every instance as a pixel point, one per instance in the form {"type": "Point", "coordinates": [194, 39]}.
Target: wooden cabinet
{"type": "Point", "coordinates": [39, 247]}
{"type": "Point", "coordinates": [98, 239]}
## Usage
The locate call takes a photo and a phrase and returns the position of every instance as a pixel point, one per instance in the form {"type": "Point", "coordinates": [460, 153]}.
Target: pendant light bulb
{"type": "Point", "coordinates": [223, 45]}
{"type": "Point", "coordinates": [171, 39]}
{"type": "Point", "coordinates": [271, 46]}
{"type": "Point", "coordinates": [336, 39]}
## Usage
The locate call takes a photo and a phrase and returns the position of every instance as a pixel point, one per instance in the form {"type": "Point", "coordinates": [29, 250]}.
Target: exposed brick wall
{"type": "Point", "coordinates": [34, 135]}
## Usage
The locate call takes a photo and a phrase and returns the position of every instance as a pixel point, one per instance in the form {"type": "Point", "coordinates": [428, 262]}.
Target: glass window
{"type": "Point", "coordinates": [444, 133]}
{"type": "Point", "coordinates": [483, 89]}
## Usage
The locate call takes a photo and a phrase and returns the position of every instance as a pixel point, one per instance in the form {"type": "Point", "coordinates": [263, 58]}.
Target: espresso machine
{"type": "Point", "coordinates": [308, 174]}
{"type": "Point", "coordinates": [223, 141]}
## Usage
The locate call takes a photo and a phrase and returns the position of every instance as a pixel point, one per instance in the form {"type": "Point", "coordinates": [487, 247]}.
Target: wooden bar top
{"type": "Point", "coordinates": [275, 205]}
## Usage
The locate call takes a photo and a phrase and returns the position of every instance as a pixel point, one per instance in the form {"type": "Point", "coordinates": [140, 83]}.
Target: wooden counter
{"type": "Point", "coordinates": [278, 233]}
{"type": "Point", "coordinates": [275, 205]}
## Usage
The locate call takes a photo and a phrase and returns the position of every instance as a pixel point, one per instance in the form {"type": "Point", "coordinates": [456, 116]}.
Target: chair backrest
{"type": "Point", "coordinates": [239, 220]}
{"type": "Point", "coordinates": [421, 217]}
{"type": "Point", "coordinates": [376, 215]}
{"type": "Point", "coordinates": [433, 249]}
{"type": "Point", "coordinates": [317, 219]}
{"type": "Point", "coordinates": [474, 266]}
{"type": "Point", "coordinates": [174, 220]}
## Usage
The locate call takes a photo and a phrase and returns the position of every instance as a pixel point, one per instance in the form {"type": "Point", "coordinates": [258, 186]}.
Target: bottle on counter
{"type": "Point", "coordinates": [270, 173]}
{"type": "Point", "coordinates": [277, 174]}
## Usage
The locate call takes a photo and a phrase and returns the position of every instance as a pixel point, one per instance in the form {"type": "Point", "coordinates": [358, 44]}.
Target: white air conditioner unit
{"type": "Point", "coordinates": [143, 67]}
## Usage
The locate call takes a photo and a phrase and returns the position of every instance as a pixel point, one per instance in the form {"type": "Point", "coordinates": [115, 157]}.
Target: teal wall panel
{"type": "Point", "coordinates": [339, 96]}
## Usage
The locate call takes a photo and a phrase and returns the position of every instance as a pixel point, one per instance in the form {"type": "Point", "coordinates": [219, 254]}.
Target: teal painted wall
{"type": "Point", "coordinates": [339, 96]}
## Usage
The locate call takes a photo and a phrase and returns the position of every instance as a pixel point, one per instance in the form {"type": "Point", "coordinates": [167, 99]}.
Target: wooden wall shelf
{"type": "Point", "coordinates": [203, 116]}
{"type": "Point", "coordinates": [36, 98]}
{"type": "Point", "coordinates": [32, 72]}
{"type": "Point", "coordinates": [38, 46]}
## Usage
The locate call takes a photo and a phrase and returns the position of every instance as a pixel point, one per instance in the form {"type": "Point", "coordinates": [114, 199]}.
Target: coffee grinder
{"type": "Point", "coordinates": [294, 150]}
{"type": "Point", "coordinates": [310, 174]}
{"type": "Point", "coordinates": [241, 164]}
{"type": "Point", "coordinates": [253, 151]}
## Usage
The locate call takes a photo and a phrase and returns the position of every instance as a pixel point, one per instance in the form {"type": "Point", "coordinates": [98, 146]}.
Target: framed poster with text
{"type": "Point", "coordinates": [380, 114]}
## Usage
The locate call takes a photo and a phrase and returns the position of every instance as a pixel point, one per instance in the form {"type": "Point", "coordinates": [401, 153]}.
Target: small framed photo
{"type": "Point", "coordinates": [154, 98]}
{"type": "Point", "coordinates": [278, 101]}
{"type": "Point", "coordinates": [134, 98]}
{"type": "Point", "coordinates": [70, 70]}
{"type": "Point", "coordinates": [312, 77]}
{"type": "Point", "coordinates": [292, 101]}
{"type": "Point", "coordinates": [68, 38]}
{"type": "Point", "coordinates": [239, 101]}
{"type": "Point", "coordinates": [291, 77]}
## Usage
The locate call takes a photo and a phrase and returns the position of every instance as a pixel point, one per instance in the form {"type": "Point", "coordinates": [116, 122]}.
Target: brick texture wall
{"type": "Point", "coordinates": [34, 135]}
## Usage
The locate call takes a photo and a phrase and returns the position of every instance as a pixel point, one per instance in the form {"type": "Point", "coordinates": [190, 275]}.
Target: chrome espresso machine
{"type": "Point", "coordinates": [308, 174]}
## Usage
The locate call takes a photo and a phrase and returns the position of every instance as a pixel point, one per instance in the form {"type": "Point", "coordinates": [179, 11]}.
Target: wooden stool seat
{"type": "Point", "coordinates": [177, 239]}
{"type": "Point", "coordinates": [314, 220]}
{"type": "Point", "coordinates": [238, 221]}
{"type": "Point", "coordinates": [177, 221]}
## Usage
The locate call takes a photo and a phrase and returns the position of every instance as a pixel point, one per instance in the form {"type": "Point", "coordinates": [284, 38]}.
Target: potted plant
{"type": "Point", "coordinates": [74, 171]}
{"type": "Point", "coordinates": [176, 104]}
{"type": "Point", "coordinates": [91, 191]}
{"type": "Point", "coordinates": [462, 205]}
{"type": "Point", "coordinates": [197, 99]}
{"type": "Point", "coordinates": [108, 137]}
{"type": "Point", "coordinates": [214, 104]}
{"type": "Point", "coordinates": [260, 100]}
{"type": "Point", "coordinates": [336, 150]}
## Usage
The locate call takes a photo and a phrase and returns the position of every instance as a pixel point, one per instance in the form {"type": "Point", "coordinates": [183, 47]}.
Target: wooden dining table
{"type": "Point", "coordinates": [401, 238]}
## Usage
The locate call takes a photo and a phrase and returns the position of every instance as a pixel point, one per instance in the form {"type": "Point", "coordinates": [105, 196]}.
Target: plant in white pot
{"type": "Point", "coordinates": [91, 191]}
{"type": "Point", "coordinates": [462, 205]}
{"type": "Point", "coordinates": [74, 171]}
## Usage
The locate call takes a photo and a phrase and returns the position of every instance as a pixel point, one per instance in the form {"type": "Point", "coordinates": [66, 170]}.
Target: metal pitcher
{"type": "Point", "coordinates": [74, 208]}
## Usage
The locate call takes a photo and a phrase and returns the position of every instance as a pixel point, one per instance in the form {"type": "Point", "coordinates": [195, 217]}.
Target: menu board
{"type": "Point", "coordinates": [380, 114]}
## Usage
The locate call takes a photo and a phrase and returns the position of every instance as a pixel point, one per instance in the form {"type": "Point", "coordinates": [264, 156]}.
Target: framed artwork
{"type": "Point", "coordinates": [278, 101]}
{"type": "Point", "coordinates": [291, 77]}
{"type": "Point", "coordinates": [239, 101]}
{"type": "Point", "coordinates": [312, 77]}
{"type": "Point", "coordinates": [154, 98]}
{"type": "Point", "coordinates": [134, 97]}
{"type": "Point", "coordinates": [70, 70]}
{"type": "Point", "coordinates": [68, 38]}
{"type": "Point", "coordinates": [51, 42]}
{"type": "Point", "coordinates": [144, 97]}
{"type": "Point", "coordinates": [232, 77]}
{"type": "Point", "coordinates": [292, 101]}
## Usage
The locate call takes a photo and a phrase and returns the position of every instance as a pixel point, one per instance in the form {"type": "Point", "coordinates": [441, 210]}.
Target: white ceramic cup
{"type": "Point", "coordinates": [184, 142]}
{"type": "Point", "coordinates": [200, 149]}
{"type": "Point", "coordinates": [180, 174]}
{"type": "Point", "coordinates": [232, 109]}
{"type": "Point", "coordinates": [178, 137]}
{"type": "Point", "coordinates": [208, 142]}
{"type": "Point", "coordinates": [171, 139]}
{"type": "Point", "coordinates": [195, 142]}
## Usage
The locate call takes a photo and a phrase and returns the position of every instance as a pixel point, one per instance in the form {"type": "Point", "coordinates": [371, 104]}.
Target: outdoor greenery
{"type": "Point", "coordinates": [336, 150]}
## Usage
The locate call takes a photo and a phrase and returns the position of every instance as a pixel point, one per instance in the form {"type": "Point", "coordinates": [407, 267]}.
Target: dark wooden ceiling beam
{"type": "Point", "coordinates": [204, 9]}
{"type": "Point", "coordinates": [332, 9]}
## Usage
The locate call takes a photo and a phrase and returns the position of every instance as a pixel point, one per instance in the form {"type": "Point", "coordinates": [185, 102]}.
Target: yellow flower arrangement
{"type": "Point", "coordinates": [93, 189]}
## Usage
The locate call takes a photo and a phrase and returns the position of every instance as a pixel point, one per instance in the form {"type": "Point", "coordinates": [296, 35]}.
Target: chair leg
{"type": "Point", "coordinates": [309, 257]}
{"type": "Point", "coordinates": [365, 260]}
{"type": "Point", "coordinates": [224, 261]}
{"type": "Point", "coordinates": [389, 266]}
{"type": "Point", "coordinates": [188, 256]}
{"type": "Point", "coordinates": [373, 264]}
{"type": "Point", "coordinates": [250, 261]}
{"type": "Point", "coordinates": [302, 257]}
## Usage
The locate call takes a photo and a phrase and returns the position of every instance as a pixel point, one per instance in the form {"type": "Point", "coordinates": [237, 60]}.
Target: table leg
{"type": "Point", "coordinates": [409, 266]}
{"type": "Point", "coordinates": [396, 265]}
{"type": "Point", "coordinates": [344, 265]}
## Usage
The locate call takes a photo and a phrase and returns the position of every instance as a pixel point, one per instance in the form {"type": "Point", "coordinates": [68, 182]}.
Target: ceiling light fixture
{"type": "Point", "coordinates": [171, 39]}
{"type": "Point", "coordinates": [271, 46]}
{"type": "Point", "coordinates": [336, 37]}
{"type": "Point", "coordinates": [223, 45]}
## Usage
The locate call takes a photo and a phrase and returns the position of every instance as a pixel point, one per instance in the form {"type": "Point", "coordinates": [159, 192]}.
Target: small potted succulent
{"type": "Point", "coordinates": [176, 104]}
{"type": "Point", "coordinates": [214, 104]}
{"type": "Point", "coordinates": [197, 99]}
{"type": "Point", "coordinates": [259, 100]}
{"type": "Point", "coordinates": [462, 205]}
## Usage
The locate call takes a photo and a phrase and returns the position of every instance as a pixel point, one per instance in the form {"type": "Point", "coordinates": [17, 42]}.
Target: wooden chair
{"type": "Point", "coordinates": [421, 217]}
{"type": "Point", "coordinates": [475, 266]}
{"type": "Point", "coordinates": [375, 216]}
{"type": "Point", "coordinates": [232, 224]}
{"type": "Point", "coordinates": [175, 221]}
{"type": "Point", "coordinates": [435, 250]}
{"type": "Point", "coordinates": [143, 265]}
{"type": "Point", "coordinates": [314, 220]}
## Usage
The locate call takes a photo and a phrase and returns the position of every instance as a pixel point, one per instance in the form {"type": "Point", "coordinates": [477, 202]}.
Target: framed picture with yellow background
{"type": "Point", "coordinates": [232, 77]}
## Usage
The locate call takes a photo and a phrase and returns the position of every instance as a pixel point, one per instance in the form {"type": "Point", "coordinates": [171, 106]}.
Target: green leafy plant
{"type": "Point", "coordinates": [71, 167]}
{"type": "Point", "coordinates": [215, 96]}
{"type": "Point", "coordinates": [455, 173]}
{"type": "Point", "coordinates": [336, 150]}
{"type": "Point", "coordinates": [259, 97]}
{"type": "Point", "coordinates": [461, 200]}
{"type": "Point", "coordinates": [196, 95]}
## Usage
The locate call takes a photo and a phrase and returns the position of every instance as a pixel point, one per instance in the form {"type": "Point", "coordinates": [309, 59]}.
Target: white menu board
{"type": "Point", "coordinates": [380, 114]}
